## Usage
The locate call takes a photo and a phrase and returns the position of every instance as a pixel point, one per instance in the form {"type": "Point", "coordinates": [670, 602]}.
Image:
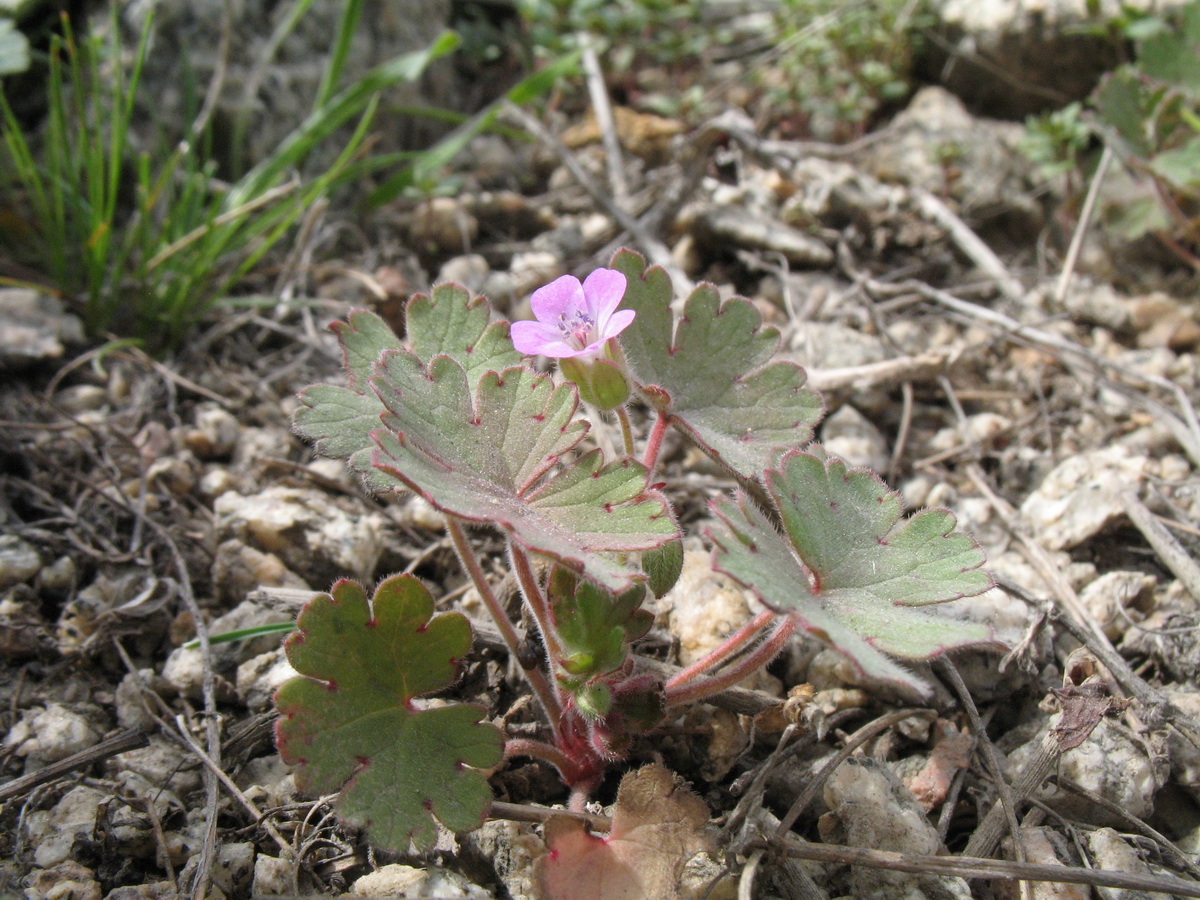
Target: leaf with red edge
{"type": "Point", "coordinates": [486, 455]}
{"type": "Point", "coordinates": [848, 569]}
{"type": "Point", "coordinates": [712, 372]}
{"type": "Point", "coordinates": [447, 321]}
{"type": "Point", "coordinates": [351, 722]}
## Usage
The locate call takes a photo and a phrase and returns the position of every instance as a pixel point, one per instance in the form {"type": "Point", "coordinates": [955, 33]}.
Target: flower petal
{"type": "Point", "coordinates": [603, 290]}
{"type": "Point", "coordinates": [533, 338]}
{"type": "Point", "coordinates": [618, 322]}
{"type": "Point", "coordinates": [563, 295]}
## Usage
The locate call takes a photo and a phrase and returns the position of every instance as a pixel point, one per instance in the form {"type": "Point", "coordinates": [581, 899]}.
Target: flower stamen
{"type": "Point", "coordinates": [576, 329]}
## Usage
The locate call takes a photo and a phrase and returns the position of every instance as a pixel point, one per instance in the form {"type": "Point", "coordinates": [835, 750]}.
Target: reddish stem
{"type": "Point", "coordinates": [581, 775]}
{"type": "Point", "coordinates": [700, 687]}
{"type": "Point", "coordinates": [535, 599]}
{"type": "Point", "coordinates": [537, 680]}
{"type": "Point", "coordinates": [733, 644]}
{"type": "Point", "coordinates": [547, 753]}
{"type": "Point", "coordinates": [654, 442]}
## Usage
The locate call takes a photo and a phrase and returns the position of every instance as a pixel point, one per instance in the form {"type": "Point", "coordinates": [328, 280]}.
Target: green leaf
{"type": "Point", "coordinates": [712, 373]}
{"type": "Point", "coordinates": [1180, 166]}
{"type": "Point", "coordinates": [450, 322]}
{"type": "Point", "coordinates": [594, 625]}
{"type": "Point", "coordinates": [1173, 55]}
{"type": "Point", "coordinates": [485, 456]}
{"type": "Point", "coordinates": [848, 569]}
{"type": "Point", "coordinates": [1124, 103]}
{"type": "Point", "coordinates": [350, 722]}
{"type": "Point", "coordinates": [447, 321]}
{"type": "Point", "coordinates": [363, 336]}
{"type": "Point", "coordinates": [663, 567]}
{"type": "Point", "coordinates": [339, 422]}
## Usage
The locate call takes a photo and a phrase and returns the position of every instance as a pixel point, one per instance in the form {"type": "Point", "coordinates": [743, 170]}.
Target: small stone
{"type": "Point", "coordinates": [442, 225]}
{"type": "Point", "coordinates": [532, 269]}
{"type": "Point", "coordinates": [260, 677]}
{"type": "Point", "coordinates": [215, 433]}
{"type": "Point", "coordinates": [1042, 848]}
{"type": "Point", "coordinates": [470, 270]}
{"type": "Point", "coordinates": [719, 227]}
{"type": "Point", "coordinates": [827, 345]}
{"type": "Point", "coordinates": [1099, 305]}
{"type": "Point", "coordinates": [830, 669]}
{"type": "Point", "coordinates": [176, 473]}
{"type": "Point", "coordinates": [233, 872]}
{"type": "Point", "coordinates": [129, 700]}
{"type": "Point", "coordinates": [161, 765]}
{"type": "Point", "coordinates": [51, 734]}
{"type": "Point", "coordinates": [725, 740]}
{"type": "Point", "coordinates": [1117, 599]}
{"type": "Point", "coordinates": [1184, 755]}
{"type": "Point", "coordinates": [1082, 495]}
{"type": "Point", "coordinates": [981, 428]}
{"type": "Point", "coordinates": [81, 398]}
{"type": "Point", "coordinates": [52, 832]}
{"type": "Point", "coordinates": [271, 779]}
{"type": "Point", "coordinates": [1112, 763]}
{"type": "Point", "coordinates": [512, 848]}
{"type": "Point", "coordinates": [34, 326]}
{"type": "Point", "coordinates": [855, 438]}
{"type": "Point", "coordinates": [60, 575]}
{"type": "Point", "coordinates": [238, 569]}
{"type": "Point", "coordinates": [703, 608]}
{"type": "Point", "coordinates": [151, 890]}
{"type": "Point", "coordinates": [870, 807]}
{"type": "Point", "coordinates": [256, 444]}
{"type": "Point", "coordinates": [19, 561]}
{"type": "Point", "coordinates": [215, 482]}
{"type": "Point", "coordinates": [67, 880]}
{"type": "Point", "coordinates": [1112, 853]}
{"type": "Point", "coordinates": [418, 512]}
{"type": "Point", "coordinates": [311, 533]}
{"type": "Point", "coordinates": [272, 876]}
{"type": "Point", "coordinates": [23, 631]}
{"type": "Point", "coordinates": [405, 881]}
{"type": "Point", "coordinates": [184, 670]}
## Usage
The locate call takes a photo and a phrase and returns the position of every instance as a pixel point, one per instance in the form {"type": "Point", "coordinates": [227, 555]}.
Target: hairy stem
{"type": "Point", "coordinates": [654, 442]}
{"type": "Point", "coordinates": [581, 775]}
{"type": "Point", "coordinates": [537, 680]}
{"type": "Point", "coordinates": [735, 643]}
{"type": "Point", "coordinates": [536, 600]}
{"type": "Point", "coordinates": [700, 687]}
{"type": "Point", "coordinates": [626, 429]}
{"type": "Point", "coordinates": [547, 753]}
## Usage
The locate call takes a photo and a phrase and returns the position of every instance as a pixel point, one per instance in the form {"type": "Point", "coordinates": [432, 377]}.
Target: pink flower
{"type": "Point", "coordinates": [573, 319]}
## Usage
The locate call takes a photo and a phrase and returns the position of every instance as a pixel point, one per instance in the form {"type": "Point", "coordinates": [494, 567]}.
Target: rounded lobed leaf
{"type": "Point", "coordinates": [712, 372]}
{"type": "Point", "coordinates": [848, 569]}
{"type": "Point", "coordinates": [349, 721]}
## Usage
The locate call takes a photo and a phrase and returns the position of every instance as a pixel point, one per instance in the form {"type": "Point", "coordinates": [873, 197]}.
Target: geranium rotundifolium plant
{"type": "Point", "coordinates": [460, 413]}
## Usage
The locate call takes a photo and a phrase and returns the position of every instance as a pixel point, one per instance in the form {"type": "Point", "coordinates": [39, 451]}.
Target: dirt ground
{"type": "Point", "coordinates": [926, 301]}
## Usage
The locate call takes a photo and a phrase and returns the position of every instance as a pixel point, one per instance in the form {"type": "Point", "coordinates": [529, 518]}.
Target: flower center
{"type": "Point", "coordinates": [576, 328]}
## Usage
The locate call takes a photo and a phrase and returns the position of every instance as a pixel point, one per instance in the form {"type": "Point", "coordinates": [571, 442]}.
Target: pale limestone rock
{"type": "Point", "coordinates": [1117, 598]}
{"type": "Point", "coordinates": [52, 832]}
{"type": "Point", "coordinates": [405, 881]}
{"type": "Point", "coordinates": [1082, 495]}
{"type": "Point", "coordinates": [870, 807]}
